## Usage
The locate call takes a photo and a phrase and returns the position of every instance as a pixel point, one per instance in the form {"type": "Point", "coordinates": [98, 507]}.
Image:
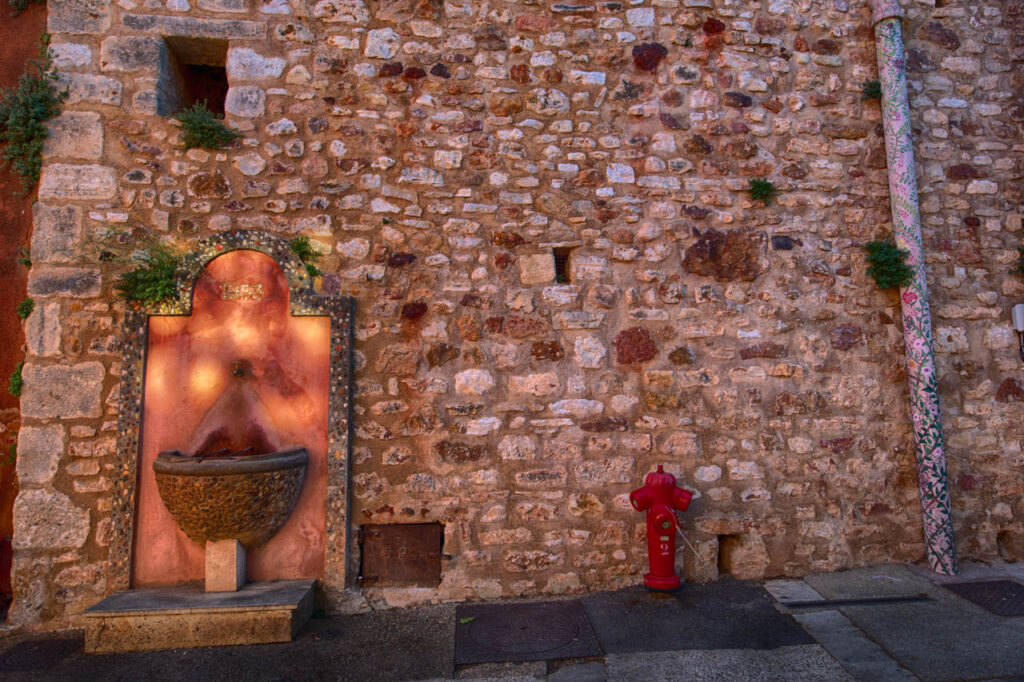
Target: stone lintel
{"type": "Point", "coordinates": [195, 28]}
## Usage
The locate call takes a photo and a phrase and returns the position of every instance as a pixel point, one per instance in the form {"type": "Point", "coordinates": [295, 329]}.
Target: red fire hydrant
{"type": "Point", "coordinates": [661, 497]}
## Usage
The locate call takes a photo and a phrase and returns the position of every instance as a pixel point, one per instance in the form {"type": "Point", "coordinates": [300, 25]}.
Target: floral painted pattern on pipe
{"type": "Point", "coordinates": [917, 323]}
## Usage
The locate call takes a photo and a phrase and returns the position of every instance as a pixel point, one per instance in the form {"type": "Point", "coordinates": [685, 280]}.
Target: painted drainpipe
{"type": "Point", "coordinates": [917, 320]}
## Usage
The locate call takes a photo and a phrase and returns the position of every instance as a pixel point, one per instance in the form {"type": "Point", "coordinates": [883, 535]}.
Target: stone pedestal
{"type": "Point", "coordinates": [225, 566]}
{"type": "Point", "coordinates": [186, 616]}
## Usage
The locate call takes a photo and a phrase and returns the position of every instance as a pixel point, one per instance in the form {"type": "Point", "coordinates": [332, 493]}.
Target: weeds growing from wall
{"type": "Point", "coordinates": [153, 276]}
{"type": "Point", "coordinates": [25, 308]}
{"type": "Point", "coordinates": [888, 264]}
{"type": "Point", "coordinates": [871, 90]}
{"type": "Point", "coordinates": [762, 189]}
{"type": "Point", "coordinates": [1019, 269]}
{"type": "Point", "coordinates": [20, 6]}
{"type": "Point", "coordinates": [200, 127]}
{"type": "Point", "coordinates": [24, 111]}
{"type": "Point", "coordinates": [307, 254]}
{"type": "Point", "coordinates": [15, 383]}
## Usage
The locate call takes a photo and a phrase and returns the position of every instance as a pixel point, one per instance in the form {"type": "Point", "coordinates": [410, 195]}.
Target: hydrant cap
{"type": "Point", "coordinates": [660, 479]}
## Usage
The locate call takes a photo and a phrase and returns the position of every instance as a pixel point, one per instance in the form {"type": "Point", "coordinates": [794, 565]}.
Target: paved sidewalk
{"type": "Point", "coordinates": [903, 626]}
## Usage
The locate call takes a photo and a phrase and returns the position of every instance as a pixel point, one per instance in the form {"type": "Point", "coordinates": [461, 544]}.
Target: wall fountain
{"type": "Point", "coordinates": [234, 436]}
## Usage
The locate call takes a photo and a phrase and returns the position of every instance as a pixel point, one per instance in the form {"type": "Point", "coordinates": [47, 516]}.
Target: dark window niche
{"type": "Point", "coordinates": [195, 73]}
{"type": "Point", "coordinates": [561, 257]}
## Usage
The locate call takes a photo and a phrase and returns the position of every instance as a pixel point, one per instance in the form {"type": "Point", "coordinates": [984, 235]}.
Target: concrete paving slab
{"type": "Point", "coordinates": [727, 614]}
{"type": "Point", "coordinates": [806, 663]}
{"type": "Point", "coordinates": [873, 581]}
{"type": "Point", "coordinates": [792, 590]}
{"type": "Point", "coordinates": [970, 571]}
{"type": "Point", "coordinates": [860, 656]}
{"type": "Point", "coordinates": [949, 639]}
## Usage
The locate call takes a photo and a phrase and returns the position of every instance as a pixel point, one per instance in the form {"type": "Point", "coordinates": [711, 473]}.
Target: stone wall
{"type": "Point", "coordinates": [438, 152]}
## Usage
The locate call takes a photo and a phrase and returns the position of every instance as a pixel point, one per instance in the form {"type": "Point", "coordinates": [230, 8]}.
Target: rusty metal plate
{"type": "Point", "coordinates": [536, 631]}
{"type": "Point", "coordinates": [406, 554]}
{"type": "Point", "coordinates": [1001, 597]}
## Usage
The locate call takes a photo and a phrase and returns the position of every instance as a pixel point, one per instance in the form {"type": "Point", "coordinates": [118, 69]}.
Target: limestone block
{"type": "Point", "coordinates": [65, 181]}
{"type": "Point", "coordinates": [951, 340]}
{"type": "Point", "coordinates": [57, 233]}
{"type": "Point", "coordinates": [474, 381]}
{"type": "Point", "coordinates": [67, 56]}
{"type": "Point", "coordinates": [342, 11]}
{"type": "Point", "coordinates": [132, 53]}
{"type": "Point", "coordinates": [46, 280]}
{"type": "Point", "coordinates": [247, 101]}
{"type": "Point", "coordinates": [223, 5]}
{"type": "Point", "coordinates": [225, 566]}
{"type": "Point", "coordinates": [590, 352]}
{"type": "Point", "coordinates": [43, 330]}
{"type": "Point", "coordinates": [244, 64]}
{"type": "Point", "coordinates": [78, 16]}
{"type": "Point", "coordinates": [74, 135]}
{"type": "Point", "coordinates": [382, 43]}
{"type": "Point", "coordinates": [39, 451]}
{"type": "Point", "coordinates": [195, 28]}
{"type": "Point", "coordinates": [84, 88]}
{"type": "Point", "coordinates": [48, 520]}
{"type": "Point", "coordinates": [536, 268]}
{"type": "Point", "coordinates": [62, 392]}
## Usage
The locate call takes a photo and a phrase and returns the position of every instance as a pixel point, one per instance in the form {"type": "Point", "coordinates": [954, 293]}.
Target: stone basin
{"type": "Point", "coordinates": [247, 498]}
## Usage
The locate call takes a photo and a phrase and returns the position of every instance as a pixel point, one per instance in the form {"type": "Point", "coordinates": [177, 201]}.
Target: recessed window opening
{"type": "Point", "coordinates": [561, 257]}
{"type": "Point", "coordinates": [195, 73]}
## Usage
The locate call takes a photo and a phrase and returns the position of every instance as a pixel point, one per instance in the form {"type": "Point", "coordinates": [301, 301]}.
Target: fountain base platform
{"type": "Point", "coordinates": [187, 616]}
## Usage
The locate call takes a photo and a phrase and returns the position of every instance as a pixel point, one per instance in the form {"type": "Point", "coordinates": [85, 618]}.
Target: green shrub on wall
{"type": "Point", "coordinates": [762, 189]}
{"type": "Point", "coordinates": [20, 6]}
{"type": "Point", "coordinates": [307, 254]}
{"type": "Point", "coordinates": [24, 111]}
{"type": "Point", "coordinates": [200, 127]}
{"type": "Point", "coordinates": [888, 264]}
{"type": "Point", "coordinates": [153, 277]}
{"type": "Point", "coordinates": [15, 383]}
{"type": "Point", "coordinates": [25, 308]}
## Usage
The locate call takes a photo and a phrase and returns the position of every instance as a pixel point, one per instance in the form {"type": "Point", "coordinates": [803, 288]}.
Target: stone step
{"type": "Point", "coordinates": [186, 616]}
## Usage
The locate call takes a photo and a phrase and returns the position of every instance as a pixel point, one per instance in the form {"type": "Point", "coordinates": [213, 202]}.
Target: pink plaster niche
{"type": "Point", "coordinates": [239, 371]}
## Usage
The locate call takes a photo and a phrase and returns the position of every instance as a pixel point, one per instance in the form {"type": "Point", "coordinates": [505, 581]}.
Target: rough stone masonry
{"type": "Point", "coordinates": [437, 152]}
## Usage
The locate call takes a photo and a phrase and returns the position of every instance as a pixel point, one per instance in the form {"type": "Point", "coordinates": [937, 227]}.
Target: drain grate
{"type": "Point", "coordinates": [1001, 597]}
{"type": "Point", "coordinates": [494, 633]}
{"type": "Point", "coordinates": [37, 654]}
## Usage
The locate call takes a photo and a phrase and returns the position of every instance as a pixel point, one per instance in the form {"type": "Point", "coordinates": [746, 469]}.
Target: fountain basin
{"type": "Point", "coordinates": [247, 498]}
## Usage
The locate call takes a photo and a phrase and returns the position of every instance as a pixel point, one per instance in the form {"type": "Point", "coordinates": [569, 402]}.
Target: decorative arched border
{"type": "Point", "coordinates": [340, 560]}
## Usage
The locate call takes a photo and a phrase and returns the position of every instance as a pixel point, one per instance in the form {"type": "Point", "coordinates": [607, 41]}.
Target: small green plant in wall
{"type": "Point", "coordinates": [888, 264]}
{"type": "Point", "coordinates": [307, 254]}
{"type": "Point", "coordinates": [871, 90]}
{"type": "Point", "coordinates": [15, 383]}
{"type": "Point", "coordinates": [200, 127]}
{"type": "Point", "coordinates": [24, 111]}
{"type": "Point", "coordinates": [761, 189]}
{"type": "Point", "coordinates": [153, 276]}
{"type": "Point", "coordinates": [25, 308]}
{"type": "Point", "coordinates": [20, 6]}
